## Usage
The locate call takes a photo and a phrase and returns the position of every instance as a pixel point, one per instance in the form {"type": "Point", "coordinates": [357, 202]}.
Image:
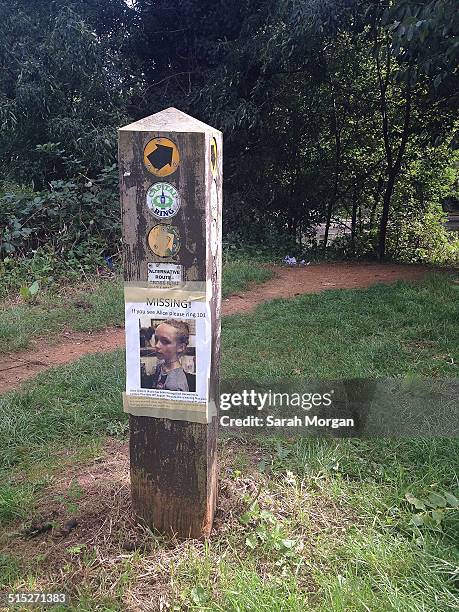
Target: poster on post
{"type": "Point", "coordinates": [168, 349]}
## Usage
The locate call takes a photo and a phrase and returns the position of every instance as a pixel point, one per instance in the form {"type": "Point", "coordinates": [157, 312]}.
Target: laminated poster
{"type": "Point", "coordinates": [168, 352]}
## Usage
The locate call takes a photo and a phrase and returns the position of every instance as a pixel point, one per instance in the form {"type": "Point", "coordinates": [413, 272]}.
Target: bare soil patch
{"type": "Point", "coordinates": [287, 283]}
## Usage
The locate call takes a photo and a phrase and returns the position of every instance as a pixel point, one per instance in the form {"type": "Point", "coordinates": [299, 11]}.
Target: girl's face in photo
{"type": "Point", "coordinates": [166, 344]}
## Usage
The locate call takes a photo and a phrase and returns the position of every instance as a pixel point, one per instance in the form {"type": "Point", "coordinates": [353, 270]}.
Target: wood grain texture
{"type": "Point", "coordinates": [173, 463]}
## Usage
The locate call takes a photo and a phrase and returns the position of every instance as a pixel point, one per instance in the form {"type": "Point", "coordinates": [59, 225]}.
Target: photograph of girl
{"type": "Point", "coordinates": [167, 355]}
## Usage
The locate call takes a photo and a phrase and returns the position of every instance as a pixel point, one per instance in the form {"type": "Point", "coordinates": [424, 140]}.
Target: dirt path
{"type": "Point", "coordinates": [288, 282]}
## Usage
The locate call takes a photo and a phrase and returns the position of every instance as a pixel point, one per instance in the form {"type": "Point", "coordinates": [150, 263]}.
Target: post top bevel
{"type": "Point", "coordinates": [168, 120]}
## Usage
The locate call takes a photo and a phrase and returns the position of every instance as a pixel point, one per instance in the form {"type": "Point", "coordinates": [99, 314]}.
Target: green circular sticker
{"type": "Point", "coordinates": [163, 200]}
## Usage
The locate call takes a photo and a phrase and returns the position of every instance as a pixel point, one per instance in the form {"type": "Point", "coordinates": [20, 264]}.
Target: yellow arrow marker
{"type": "Point", "coordinates": [161, 156]}
{"type": "Point", "coordinates": [213, 157]}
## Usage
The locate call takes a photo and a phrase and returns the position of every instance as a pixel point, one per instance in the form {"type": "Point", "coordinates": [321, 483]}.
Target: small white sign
{"type": "Point", "coordinates": [164, 273]}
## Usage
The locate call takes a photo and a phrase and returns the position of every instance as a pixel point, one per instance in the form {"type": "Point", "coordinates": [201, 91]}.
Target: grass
{"type": "Point", "coordinates": [331, 528]}
{"type": "Point", "coordinates": [239, 275]}
{"type": "Point", "coordinates": [93, 307]}
{"type": "Point", "coordinates": [401, 329]}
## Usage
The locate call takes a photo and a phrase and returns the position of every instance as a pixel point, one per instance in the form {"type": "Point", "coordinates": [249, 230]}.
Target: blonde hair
{"type": "Point", "coordinates": [183, 330]}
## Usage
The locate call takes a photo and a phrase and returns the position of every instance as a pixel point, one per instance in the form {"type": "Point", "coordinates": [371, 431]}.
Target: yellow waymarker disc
{"type": "Point", "coordinates": [164, 240]}
{"type": "Point", "coordinates": [213, 157]}
{"type": "Point", "coordinates": [161, 156]}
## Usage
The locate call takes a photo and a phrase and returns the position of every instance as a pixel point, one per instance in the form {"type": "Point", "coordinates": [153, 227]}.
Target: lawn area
{"type": "Point", "coordinates": [309, 524]}
{"type": "Point", "coordinates": [401, 329]}
{"type": "Point", "coordinates": [94, 306]}
{"type": "Point", "coordinates": [239, 274]}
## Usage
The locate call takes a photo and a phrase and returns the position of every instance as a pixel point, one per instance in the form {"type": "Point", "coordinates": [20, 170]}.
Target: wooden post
{"type": "Point", "coordinates": [173, 460]}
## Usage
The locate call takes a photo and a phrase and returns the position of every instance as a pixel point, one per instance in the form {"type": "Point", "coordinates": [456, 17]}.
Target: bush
{"type": "Point", "coordinates": [48, 267]}
{"type": "Point", "coordinates": [416, 230]}
{"type": "Point", "coordinates": [65, 232]}
{"type": "Point", "coordinates": [68, 215]}
{"type": "Point", "coordinates": [424, 239]}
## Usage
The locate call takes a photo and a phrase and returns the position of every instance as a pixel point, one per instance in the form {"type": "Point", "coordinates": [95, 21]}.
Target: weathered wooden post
{"type": "Point", "coordinates": [171, 184]}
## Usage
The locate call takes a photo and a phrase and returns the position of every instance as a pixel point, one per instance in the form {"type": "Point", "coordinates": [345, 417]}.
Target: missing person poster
{"type": "Point", "coordinates": [168, 351]}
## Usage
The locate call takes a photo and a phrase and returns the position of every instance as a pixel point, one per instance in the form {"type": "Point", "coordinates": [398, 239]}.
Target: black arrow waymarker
{"type": "Point", "coordinates": [161, 156]}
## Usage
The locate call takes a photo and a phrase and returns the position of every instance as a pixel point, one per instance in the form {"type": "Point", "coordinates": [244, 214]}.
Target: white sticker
{"type": "Point", "coordinates": [164, 273]}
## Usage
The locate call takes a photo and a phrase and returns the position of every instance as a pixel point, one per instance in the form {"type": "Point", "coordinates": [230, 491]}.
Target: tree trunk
{"type": "Point", "coordinates": [327, 224]}
{"type": "Point", "coordinates": [332, 201]}
{"type": "Point", "coordinates": [393, 157]}
{"type": "Point", "coordinates": [385, 216]}
{"type": "Point", "coordinates": [353, 224]}
{"type": "Point", "coordinates": [393, 172]}
{"type": "Point", "coordinates": [376, 198]}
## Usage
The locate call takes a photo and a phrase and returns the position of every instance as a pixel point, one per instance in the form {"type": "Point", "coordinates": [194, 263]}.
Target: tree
{"type": "Point", "coordinates": [60, 90]}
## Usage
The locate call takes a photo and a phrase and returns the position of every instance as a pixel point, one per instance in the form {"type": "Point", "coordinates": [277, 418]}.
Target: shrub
{"type": "Point", "coordinates": [70, 213]}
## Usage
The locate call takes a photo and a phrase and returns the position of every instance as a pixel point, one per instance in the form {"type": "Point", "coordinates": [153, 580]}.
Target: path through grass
{"type": "Point", "coordinates": [94, 307]}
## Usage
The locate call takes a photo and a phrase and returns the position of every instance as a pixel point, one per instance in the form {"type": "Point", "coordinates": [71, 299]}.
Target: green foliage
{"type": "Point", "coordinates": [69, 231]}
{"type": "Point", "coordinates": [269, 535]}
{"type": "Point", "coordinates": [69, 214]}
{"type": "Point", "coordinates": [60, 92]}
{"type": "Point", "coordinates": [50, 269]}
{"type": "Point", "coordinates": [295, 87]}
{"type": "Point", "coordinates": [424, 239]}
{"type": "Point", "coordinates": [416, 235]}
{"type": "Point", "coordinates": [416, 230]}
{"type": "Point", "coordinates": [425, 36]}
{"type": "Point", "coordinates": [29, 293]}
{"type": "Point", "coordinates": [435, 508]}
